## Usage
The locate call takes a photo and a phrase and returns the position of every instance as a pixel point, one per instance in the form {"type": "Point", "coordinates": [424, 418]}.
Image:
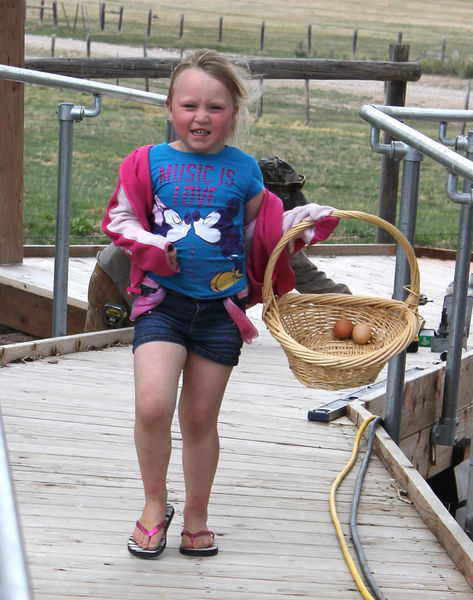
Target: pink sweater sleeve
{"type": "Point", "coordinates": [126, 217]}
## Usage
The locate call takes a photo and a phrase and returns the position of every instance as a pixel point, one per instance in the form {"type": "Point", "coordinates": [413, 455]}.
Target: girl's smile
{"type": "Point", "coordinates": [202, 112]}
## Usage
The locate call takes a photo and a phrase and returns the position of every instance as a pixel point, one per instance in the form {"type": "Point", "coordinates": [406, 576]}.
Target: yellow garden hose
{"type": "Point", "coordinates": [333, 511]}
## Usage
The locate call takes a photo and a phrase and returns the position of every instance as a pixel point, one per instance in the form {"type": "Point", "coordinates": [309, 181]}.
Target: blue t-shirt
{"type": "Point", "coordinates": [199, 206]}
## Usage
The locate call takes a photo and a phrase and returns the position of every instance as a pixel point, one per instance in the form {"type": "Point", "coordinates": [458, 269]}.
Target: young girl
{"type": "Point", "coordinates": [178, 211]}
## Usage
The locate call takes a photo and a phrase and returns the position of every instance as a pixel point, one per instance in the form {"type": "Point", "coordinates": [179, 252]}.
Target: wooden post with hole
{"type": "Point", "coordinates": [12, 27]}
{"type": "Point", "coordinates": [389, 182]}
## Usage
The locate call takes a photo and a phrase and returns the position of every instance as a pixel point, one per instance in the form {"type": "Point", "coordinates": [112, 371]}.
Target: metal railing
{"type": "Point", "coordinates": [14, 578]}
{"type": "Point", "coordinates": [411, 145]}
{"type": "Point", "coordinates": [68, 114]}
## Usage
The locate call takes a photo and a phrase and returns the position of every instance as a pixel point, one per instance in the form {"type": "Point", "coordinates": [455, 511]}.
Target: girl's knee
{"type": "Point", "coordinates": [152, 411]}
{"type": "Point", "coordinates": [197, 422]}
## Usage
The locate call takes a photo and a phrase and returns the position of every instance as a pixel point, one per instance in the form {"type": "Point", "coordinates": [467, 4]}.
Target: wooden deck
{"type": "Point", "coordinates": [69, 426]}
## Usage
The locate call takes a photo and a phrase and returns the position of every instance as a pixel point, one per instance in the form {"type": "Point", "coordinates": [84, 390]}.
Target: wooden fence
{"type": "Point", "coordinates": [113, 18]}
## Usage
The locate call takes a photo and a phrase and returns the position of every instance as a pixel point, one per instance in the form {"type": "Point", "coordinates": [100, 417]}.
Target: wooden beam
{"type": "Point", "coordinates": [65, 345]}
{"type": "Point", "coordinates": [28, 308]}
{"type": "Point", "coordinates": [455, 541]}
{"type": "Point", "coordinates": [389, 179]}
{"type": "Point", "coordinates": [268, 68]}
{"type": "Point", "coordinates": [48, 250]}
{"type": "Point", "coordinates": [12, 25]}
{"type": "Point", "coordinates": [421, 410]}
{"type": "Point", "coordinates": [423, 395]}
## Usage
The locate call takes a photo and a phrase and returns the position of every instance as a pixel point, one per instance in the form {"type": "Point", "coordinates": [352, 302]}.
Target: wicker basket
{"type": "Point", "coordinates": [303, 323]}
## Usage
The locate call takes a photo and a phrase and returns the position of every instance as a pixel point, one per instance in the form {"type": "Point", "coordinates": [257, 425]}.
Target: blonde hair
{"type": "Point", "coordinates": [232, 77]}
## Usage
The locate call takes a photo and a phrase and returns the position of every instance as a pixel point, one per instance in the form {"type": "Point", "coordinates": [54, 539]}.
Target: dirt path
{"type": "Point", "coordinates": [430, 92]}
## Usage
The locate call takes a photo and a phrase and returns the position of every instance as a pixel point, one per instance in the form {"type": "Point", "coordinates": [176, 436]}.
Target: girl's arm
{"type": "Point", "coordinates": [252, 208]}
{"type": "Point", "coordinates": [146, 250]}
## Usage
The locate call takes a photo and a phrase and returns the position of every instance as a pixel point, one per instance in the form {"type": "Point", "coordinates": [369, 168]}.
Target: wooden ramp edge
{"type": "Point", "coordinates": [455, 541]}
{"type": "Point", "coordinates": [64, 345]}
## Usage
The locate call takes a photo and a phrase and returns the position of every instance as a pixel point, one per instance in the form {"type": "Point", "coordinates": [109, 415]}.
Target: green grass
{"type": "Point", "coordinates": [332, 151]}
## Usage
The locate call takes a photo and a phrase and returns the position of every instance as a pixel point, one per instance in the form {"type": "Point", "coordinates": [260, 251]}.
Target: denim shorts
{"type": "Point", "coordinates": [201, 326]}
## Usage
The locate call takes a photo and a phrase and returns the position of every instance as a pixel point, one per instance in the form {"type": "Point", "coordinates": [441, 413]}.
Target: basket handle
{"type": "Point", "coordinates": [412, 299]}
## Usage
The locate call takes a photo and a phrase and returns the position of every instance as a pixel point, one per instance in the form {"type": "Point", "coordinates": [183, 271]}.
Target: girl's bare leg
{"type": "Point", "coordinates": [204, 384]}
{"type": "Point", "coordinates": [157, 369]}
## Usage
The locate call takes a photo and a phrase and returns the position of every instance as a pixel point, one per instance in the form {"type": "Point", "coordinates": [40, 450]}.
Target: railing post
{"type": "Point", "coordinates": [389, 181]}
{"type": "Point", "coordinates": [63, 217]}
{"type": "Point", "coordinates": [67, 113]}
{"type": "Point", "coordinates": [445, 431]}
{"type": "Point", "coordinates": [407, 225]}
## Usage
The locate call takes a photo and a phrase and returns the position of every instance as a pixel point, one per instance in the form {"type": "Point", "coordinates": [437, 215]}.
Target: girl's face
{"type": "Point", "coordinates": [202, 112]}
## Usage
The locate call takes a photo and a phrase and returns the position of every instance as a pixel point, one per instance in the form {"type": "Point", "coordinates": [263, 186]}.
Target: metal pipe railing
{"type": "Point", "coordinates": [435, 115]}
{"type": "Point", "coordinates": [68, 113]}
{"type": "Point", "coordinates": [385, 117]}
{"type": "Point", "coordinates": [407, 225]}
{"type": "Point", "coordinates": [380, 117]}
{"type": "Point", "coordinates": [14, 580]}
{"type": "Point", "coordinates": [80, 85]}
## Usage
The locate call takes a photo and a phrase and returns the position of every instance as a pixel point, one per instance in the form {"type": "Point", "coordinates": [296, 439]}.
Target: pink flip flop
{"type": "Point", "coordinates": [137, 550]}
{"type": "Point", "coordinates": [209, 551]}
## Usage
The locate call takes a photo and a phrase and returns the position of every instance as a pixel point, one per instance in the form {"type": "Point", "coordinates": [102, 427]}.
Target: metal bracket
{"type": "Point", "coordinates": [395, 150]}
{"type": "Point", "coordinates": [444, 432]}
{"type": "Point", "coordinates": [78, 113]}
{"type": "Point", "coordinates": [460, 143]}
{"type": "Point", "coordinates": [454, 194]}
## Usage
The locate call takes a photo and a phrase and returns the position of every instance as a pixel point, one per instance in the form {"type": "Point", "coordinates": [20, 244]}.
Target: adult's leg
{"type": "Point", "coordinates": [157, 369]}
{"type": "Point", "coordinates": [204, 383]}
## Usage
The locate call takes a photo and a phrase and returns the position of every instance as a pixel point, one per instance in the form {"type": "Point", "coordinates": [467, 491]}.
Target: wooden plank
{"type": "Point", "coordinates": [77, 250]}
{"type": "Point", "coordinates": [440, 521]}
{"type": "Point", "coordinates": [11, 134]}
{"type": "Point", "coordinates": [28, 308]}
{"type": "Point", "coordinates": [269, 68]}
{"type": "Point", "coordinates": [418, 448]}
{"type": "Point", "coordinates": [421, 410]}
{"type": "Point", "coordinates": [63, 345]}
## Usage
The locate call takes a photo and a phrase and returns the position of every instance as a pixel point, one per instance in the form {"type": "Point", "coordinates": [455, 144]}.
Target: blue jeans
{"type": "Point", "coordinates": [201, 326]}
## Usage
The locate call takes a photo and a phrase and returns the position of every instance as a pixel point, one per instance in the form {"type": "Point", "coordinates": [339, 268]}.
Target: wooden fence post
{"type": "Point", "coordinates": [261, 39]}
{"type": "Point", "coordinates": [259, 109]}
{"type": "Point", "coordinates": [220, 29]}
{"type": "Point", "coordinates": [120, 19]}
{"type": "Point", "coordinates": [12, 28]}
{"type": "Point", "coordinates": [444, 46]}
{"type": "Point", "coordinates": [102, 15]}
{"type": "Point", "coordinates": [66, 18]}
{"type": "Point", "coordinates": [389, 182]}
{"type": "Point", "coordinates": [75, 18]}
{"type": "Point", "coordinates": [354, 42]}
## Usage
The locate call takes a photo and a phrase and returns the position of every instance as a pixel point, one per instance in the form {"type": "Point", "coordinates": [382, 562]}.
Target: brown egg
{"type": "Point", "coordinates": [342, 329]}
{"type": "Point", "coordinates": [361, 333]}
